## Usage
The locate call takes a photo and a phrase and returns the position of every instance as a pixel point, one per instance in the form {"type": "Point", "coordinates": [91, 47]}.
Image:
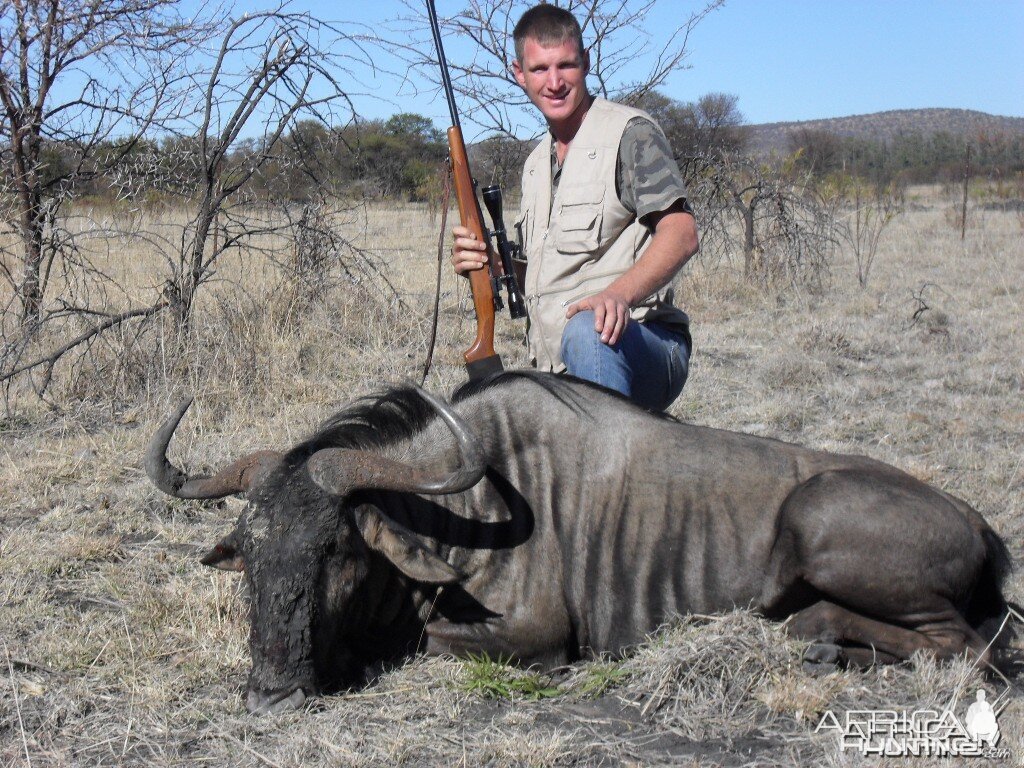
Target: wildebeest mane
{"type": "Point", "coordinates": [373, 421]}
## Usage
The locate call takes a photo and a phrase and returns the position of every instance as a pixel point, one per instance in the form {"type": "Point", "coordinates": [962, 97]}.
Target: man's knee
{"type": "Point", "coordinates": [579, 337]}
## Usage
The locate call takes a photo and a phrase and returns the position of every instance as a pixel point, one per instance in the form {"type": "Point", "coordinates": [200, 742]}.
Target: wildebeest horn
{"type": "Point", "coordinates": [237, 477]}
{"type": "Point", "coordinates": [342, 470]}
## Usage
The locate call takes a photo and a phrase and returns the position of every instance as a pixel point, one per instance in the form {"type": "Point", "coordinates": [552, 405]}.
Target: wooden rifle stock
{"type": "Point", "coordinates": [481, 359]}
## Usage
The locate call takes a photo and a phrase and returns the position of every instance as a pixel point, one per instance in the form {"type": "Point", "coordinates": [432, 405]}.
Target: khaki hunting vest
{"type": "Point", "coordinates": [579, 243]}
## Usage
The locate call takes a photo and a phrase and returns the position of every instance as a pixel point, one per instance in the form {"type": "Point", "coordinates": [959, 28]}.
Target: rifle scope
{"type": "Point", "coordinates": [506, 251]}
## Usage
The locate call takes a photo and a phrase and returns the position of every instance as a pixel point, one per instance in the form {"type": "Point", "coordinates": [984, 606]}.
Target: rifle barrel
{"type": "Point", "coordinates": [446, 80]}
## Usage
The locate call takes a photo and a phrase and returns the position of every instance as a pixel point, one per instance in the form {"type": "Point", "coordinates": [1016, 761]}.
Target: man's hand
{"type": "Point", "coordinates": [611, 314]}
{"type": "Point", "coordinates": [673, 243]}
{"type": "Point", "coordinates": [468, 253]}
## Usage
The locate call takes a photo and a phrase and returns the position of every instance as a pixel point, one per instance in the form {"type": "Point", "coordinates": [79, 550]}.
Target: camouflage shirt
{"type": "Point", "coordinates": [647, 177]}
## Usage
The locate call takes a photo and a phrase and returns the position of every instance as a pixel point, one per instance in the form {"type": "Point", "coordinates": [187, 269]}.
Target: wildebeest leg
{"type": "Point", "coordinates": [863, 641]}
{"type": "Point", "coordinates": [880, 561]}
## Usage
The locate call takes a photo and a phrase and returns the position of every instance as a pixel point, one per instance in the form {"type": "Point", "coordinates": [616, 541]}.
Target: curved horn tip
{"type": "Point", "coordinates": [184, 405]}
{"type": "Point", "coordinates": [161, 472]}
{"type": "Point", "coordinates": [166, 430]}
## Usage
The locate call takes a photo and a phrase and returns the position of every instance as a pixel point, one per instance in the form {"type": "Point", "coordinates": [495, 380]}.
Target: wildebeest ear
{"type": "Point", "coordinates": [403, 549]}
{"type": "Point", "coordinates": [226, 554]}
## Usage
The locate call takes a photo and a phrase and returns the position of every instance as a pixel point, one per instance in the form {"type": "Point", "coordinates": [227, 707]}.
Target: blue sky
{"type": "Point", "coordinates": [796, 59]}
{"type": "Point", "coordinates": [806, 59]}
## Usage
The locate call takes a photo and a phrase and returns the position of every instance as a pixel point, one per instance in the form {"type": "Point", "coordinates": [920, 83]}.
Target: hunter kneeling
{"type": "Point", "coordinates": [605, 226]}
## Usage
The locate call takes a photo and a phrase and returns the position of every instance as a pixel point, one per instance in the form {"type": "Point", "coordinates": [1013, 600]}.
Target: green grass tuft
{"type": "Point", "coordinates": [499, 679]}
{"type": "Point", "coordinates": [601, 677]}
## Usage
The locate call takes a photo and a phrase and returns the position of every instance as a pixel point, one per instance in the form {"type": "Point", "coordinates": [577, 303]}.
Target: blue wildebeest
{"type": "Point", "coordinates": [545, 519]}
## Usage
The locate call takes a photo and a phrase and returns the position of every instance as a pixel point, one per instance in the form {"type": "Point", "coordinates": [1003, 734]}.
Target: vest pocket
{"type": "Point", "coordinates": [579, 232]}
{"type": "Point", "coordinates": [579, 219]}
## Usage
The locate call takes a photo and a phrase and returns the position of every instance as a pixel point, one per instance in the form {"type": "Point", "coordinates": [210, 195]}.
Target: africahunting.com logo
{"type": "Point", "coordinates": [921, 732]}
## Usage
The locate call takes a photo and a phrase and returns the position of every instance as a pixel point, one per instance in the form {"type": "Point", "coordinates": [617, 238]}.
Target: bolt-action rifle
{"type": "Point", "coordinates": [485, 284]}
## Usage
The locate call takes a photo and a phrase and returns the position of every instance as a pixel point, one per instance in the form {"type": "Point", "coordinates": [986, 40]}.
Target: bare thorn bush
{"type": "Point", "coordinates": [862, 214]}
{"type": "Point", "coordinates": [783, 234]}
{"type": "Point", "coordinates": [223, 91]}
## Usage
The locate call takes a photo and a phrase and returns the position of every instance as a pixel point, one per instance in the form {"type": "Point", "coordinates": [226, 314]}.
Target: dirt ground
{"type": "Point", "coordinates": [118, 648]}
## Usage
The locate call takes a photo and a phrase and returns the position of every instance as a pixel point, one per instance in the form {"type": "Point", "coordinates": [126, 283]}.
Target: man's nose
{"type": "Point", "coordinates": [554, 80]}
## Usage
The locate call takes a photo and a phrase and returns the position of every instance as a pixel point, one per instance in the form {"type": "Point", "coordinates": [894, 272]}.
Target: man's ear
{"type": "Point", "coordinates": [226, 555]}
{"type": "Point", "coordinates": [517, 72]}
{"type": "Point", "coordinates": [403, 549]}
{"type": "Point", "coordinates": [586, 62]}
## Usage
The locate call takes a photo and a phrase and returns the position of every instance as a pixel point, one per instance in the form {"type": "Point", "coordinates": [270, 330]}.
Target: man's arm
{"type": "Point", "coordinates": [673, 243]}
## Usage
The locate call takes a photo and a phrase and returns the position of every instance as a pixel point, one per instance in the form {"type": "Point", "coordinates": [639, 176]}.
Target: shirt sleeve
{"type": "Point", "coordinates": [646, 175]}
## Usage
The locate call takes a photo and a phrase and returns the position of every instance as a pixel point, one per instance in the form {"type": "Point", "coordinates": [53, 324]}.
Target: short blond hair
{"type": "Point", "coordinates": [548, 25]}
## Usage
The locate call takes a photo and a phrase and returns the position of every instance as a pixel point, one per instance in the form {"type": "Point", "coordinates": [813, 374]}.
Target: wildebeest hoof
{"type": "Point", "coordinates": [259, 703]}
{"type": "Point", "coordinates": [822, 658]}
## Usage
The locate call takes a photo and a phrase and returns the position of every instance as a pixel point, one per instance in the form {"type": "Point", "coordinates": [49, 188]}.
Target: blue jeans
{"type": "Point", "coordinates": [648, 364]}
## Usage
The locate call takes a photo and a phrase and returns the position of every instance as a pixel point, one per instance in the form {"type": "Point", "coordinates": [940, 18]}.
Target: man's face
{"type": "Point", "coordinates": [554, 78]}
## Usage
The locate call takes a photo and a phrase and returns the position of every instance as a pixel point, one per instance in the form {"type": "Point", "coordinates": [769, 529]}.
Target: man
{"type": "Point", "coordinates": [605, 226]}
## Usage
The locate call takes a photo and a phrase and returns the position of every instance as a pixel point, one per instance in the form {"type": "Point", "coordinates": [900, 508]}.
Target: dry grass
{"type": "Point", "coordinates": [118, 648]}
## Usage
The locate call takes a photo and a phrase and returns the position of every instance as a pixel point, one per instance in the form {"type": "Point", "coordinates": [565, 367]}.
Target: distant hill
{"type": "Point", "coordinates": [887, 125]}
